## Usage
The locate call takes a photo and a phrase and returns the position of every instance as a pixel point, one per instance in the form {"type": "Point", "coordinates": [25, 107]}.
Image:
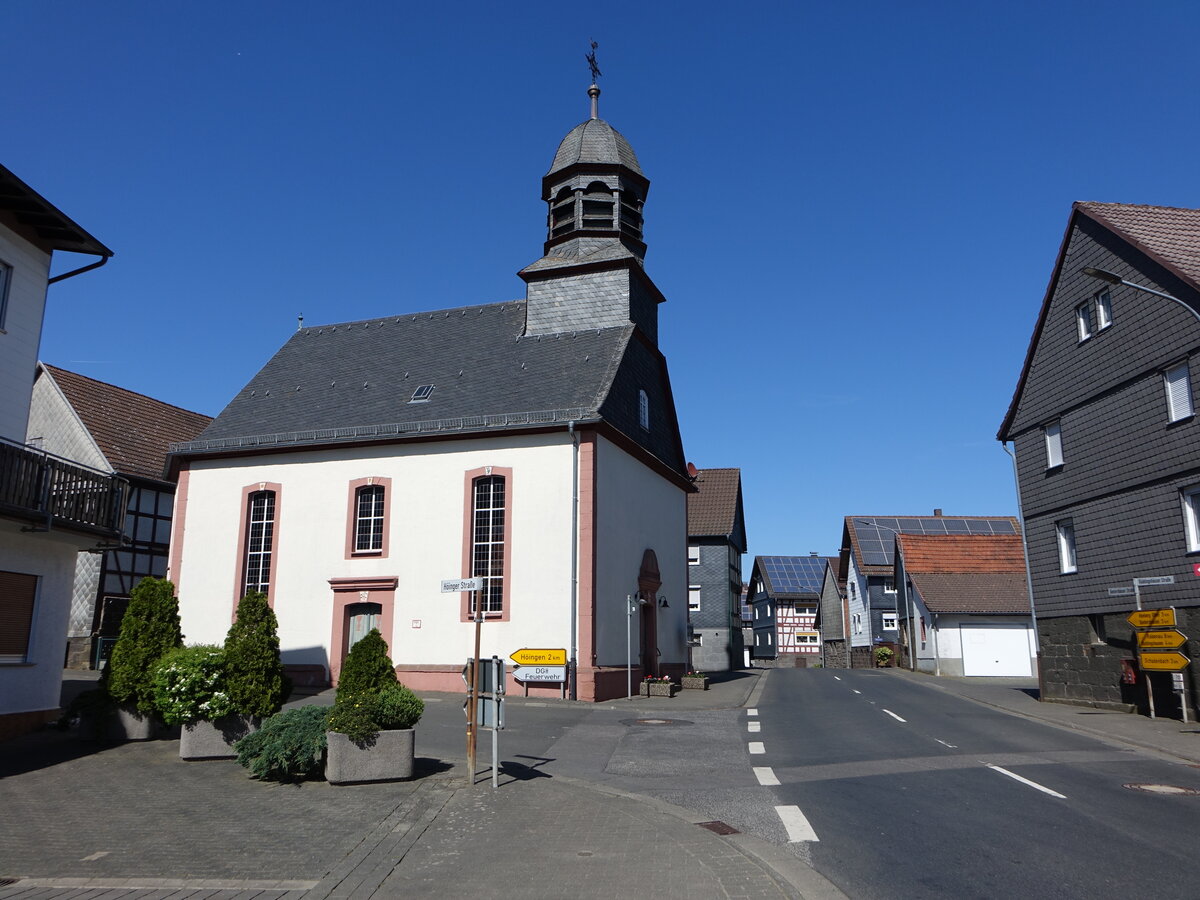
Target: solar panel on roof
{"type": "Point", "coordinates": [876, 537]}
{"type": "Point", "coordinates": [794, 574]}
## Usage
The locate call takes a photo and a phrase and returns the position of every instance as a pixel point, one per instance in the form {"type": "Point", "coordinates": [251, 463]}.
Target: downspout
{"type": "Point", "coordinates": [65, 275]}
{"type": "Point", "coordinates": [1028, 575]}
{"type": "Point", "coordinates": [572, 661]}
{"type": "Point", "coordinates": [937, 657]}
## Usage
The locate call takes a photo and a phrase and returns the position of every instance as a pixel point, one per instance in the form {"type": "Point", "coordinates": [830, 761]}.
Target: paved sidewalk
{"type": "Point", "coordinates": [133, 821]}
{"type": "Point", "coordinates": [1019, 696]}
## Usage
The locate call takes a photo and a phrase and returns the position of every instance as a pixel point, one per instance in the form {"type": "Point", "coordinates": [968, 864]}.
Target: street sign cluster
{"type": "Point", "coordinates": [1157, 640]}
{"type": "Point", "coordinates": [540, 665]}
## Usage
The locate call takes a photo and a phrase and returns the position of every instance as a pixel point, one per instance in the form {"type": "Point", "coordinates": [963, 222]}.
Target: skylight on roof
{"type": "Point", "coordinates": [421, 394]}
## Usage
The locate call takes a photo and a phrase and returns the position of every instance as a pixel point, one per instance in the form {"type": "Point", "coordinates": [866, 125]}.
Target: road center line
{"type": "Point", "coordinates": [754, 726]}
{"type": "Point", "coordinates": [894, 716]}
{"type": "Point", "coordinates": [855, 691]}
{"type": "Point", "coordinates": [837, 677]}
{"type": "Point", "coordinates": [796, 824]}
{"type": "Point", "coordinates": [944, 744]}
{"type": "Point", "coordinates": [765, 775]}
{"type": "Point", "coordinates": [1032, 784]}
{"type": "Point", "coordinates": [757, 747]}
{"type": "Point", "coordinates": [752, 712]}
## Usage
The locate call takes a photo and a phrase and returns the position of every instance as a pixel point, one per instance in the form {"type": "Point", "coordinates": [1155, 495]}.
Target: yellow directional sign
{"type": "Point", "coordinates": [1152, 618]}
{"type": "Point", "coordinates": [1163, 660]}
{"type": "Point", "coordinates": [528, 657]}
{"type": "Point", "coordinates": [1160, 640]}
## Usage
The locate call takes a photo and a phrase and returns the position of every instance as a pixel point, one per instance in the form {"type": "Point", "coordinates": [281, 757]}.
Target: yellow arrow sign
{"type": "Point", "coordinates": [1163, 660]}
{"type": "Point", "coordinates": [1160, 640]}
{"type": "Point", "coordinates": [1152, 618]}
{"type": "Point", "coordinates": [528, 657]}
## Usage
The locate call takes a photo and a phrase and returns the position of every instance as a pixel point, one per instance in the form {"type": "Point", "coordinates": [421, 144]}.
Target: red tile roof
{"type": "Point", "coordinates": [712, 512]}
{"type": "Point", "coordinates": [946, 554]}
{"type": "Point", "coordinates": [1168, 234]}
{"type": "Point", "coordinates": [131, 430]}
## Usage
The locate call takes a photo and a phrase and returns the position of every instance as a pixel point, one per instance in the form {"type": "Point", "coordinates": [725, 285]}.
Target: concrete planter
{"type": "Point", "coordinates": [656, 689]}
{"type": "Point", "coordinates": [695, 684]}
{"type": "Point", "coordinates": [389, 757]}
{"type": "Point", "coordinates": [124, 723]}
{"type": "Point", "coordinates": [215, 740]}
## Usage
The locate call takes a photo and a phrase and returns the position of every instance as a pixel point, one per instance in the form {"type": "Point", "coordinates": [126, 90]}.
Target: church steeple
{"type": "Point", "coordinates": [595, 191]}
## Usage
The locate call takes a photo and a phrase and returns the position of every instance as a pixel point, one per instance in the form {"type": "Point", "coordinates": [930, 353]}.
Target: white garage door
{"type": "Point", "coordinates": [995, 650]}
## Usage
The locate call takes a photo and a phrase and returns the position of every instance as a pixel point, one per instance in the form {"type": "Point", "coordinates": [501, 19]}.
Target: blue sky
{"type": "Point", "coordinates": [854, 207]}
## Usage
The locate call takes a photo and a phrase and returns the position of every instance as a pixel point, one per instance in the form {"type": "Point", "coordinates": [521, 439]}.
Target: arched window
{"type": "Point", "coordinates": [562, 212]}
{"type": "Point", "coordinates": [260, 542]}
{"type": "Point", "coordinates": [598, 205]}
{"type": "Point", "coordinates": [631, 213]}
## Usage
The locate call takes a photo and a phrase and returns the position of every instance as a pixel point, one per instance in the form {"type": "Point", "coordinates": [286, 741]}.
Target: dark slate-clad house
{"type": "Point", "coordinates": [784, 593]}
{"type": "Point", "coordinates": [833, 620]}
{"type": "Point", "coordinates": [865, 567]}
{"type": "Point", "coordinates": [716, 542]}
{"type": "Point", "coordinates": [1108, 448]}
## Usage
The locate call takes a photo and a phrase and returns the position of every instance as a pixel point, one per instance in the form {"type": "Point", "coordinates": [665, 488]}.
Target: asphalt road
{"type": "Point", "coordinates": [891, 789]}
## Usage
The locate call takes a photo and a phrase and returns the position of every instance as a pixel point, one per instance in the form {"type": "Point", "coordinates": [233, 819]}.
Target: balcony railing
{"type": "Point", "coordinates": [47, 491]}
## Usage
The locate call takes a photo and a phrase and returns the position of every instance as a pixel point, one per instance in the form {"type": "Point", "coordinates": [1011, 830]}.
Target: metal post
{"type": "Point", "coordinates": [629, 644]}
{"type": "Point", "coordinates": [472, 724]}
{"type": "Point", "coordinates": [495, 721]}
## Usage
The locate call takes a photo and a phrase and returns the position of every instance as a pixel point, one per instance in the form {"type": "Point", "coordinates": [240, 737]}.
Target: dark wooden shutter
{"type": "Point", "coordinates": [17, 593]}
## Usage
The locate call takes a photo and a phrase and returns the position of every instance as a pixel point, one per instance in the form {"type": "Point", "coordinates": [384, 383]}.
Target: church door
{"type": "Point", "coordinates": [360, 619]}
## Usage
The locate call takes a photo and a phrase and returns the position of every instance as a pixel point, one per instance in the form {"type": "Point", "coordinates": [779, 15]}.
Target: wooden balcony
{"type": "Point", "coordinates": [49, 492]}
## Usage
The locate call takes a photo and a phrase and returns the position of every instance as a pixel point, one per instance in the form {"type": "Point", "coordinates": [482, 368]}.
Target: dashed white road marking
{"type": "Point", "coordinates": [95, 856]}
{"type": "Point", "coordinates": [796, 824]}
{"type": "Point", "coordinates": [757, 747]}
{"type": "Point", "coordinates": [754, 726]}
{"type": "Point", "coordinates": [765, 775]}
{"type": "Point", "coordinates": [1032, 784]}
{"type": "Point", "coordinates": [752, 712]}
{"type": "Point", "coordinates": [856, 691]}
{"type": "Point", "coordinates": [894, 716]}
{"type": "Point", "coordinates": [944, 744]}
{"type": "Point", "coordinates": [837, 677]}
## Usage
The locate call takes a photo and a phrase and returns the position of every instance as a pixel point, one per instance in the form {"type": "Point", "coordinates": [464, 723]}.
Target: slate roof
{"type": "Point", "coordinates": [1167, 234]}
{"type": "Point", "coordinates": [132, 430]}
{"type": "Point", "coordinates": [982, 574]}
{"type": "Point", "coordinates": [594, 141]}
{"type": "Point", "coordinates": [713, 511]}
{"type": "Point", "coordinates": [353, 382]}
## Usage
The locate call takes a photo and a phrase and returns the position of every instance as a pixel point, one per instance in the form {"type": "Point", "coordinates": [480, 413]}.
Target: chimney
{"type": "Point", "coordinates": [937, 513]}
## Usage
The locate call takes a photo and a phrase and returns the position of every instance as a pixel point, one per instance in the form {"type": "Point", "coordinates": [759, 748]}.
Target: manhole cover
{"type": "Point", "coordinates": [655, 722]}
{"type": "Point", "coordinates": [719, 827]}
{"type": "Point", "coordinates": [1162, 789]}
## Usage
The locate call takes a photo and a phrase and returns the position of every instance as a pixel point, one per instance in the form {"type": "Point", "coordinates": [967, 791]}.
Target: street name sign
{"type": "Point", "coordinates": [1152, 618]}
{"type": "Point", "coordinates": [454, 585]}
{"type": "Point", "coordinates": [525, 674]}
{"type": "Point", "coordinates": [491, 676]}
{"type": "Point", "coordinates": [1120, 592]}
{"type": "Point", "coordinates": [1160, 640]}
{"type": "Point", "coordinates": [541, 657]}
{"type": "Point", "coordinates": [1163, 660]}
{"type": "Point", "coordinates": [1154, 579]}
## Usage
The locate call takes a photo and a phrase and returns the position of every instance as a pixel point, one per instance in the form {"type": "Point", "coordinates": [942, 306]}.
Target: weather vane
{"type": "Point", "coordinates": [591, 58]}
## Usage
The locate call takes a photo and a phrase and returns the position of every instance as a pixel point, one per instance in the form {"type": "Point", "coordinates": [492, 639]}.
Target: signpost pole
{"type": "Point", "coordinates": [497, 686]}
{"type": "Point", "coordinates": [473, 724]}
{"type": "Point", "coordinates": [629, 645]}
{"type": "Point", "coordinates": [1183, 692]}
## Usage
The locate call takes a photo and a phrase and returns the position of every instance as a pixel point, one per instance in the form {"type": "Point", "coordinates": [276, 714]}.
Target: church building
{"type": "Point", "coordinates": [533, 444]}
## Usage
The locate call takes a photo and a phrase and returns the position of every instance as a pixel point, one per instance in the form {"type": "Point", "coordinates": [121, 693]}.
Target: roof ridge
{"type": "Point", "coordinates": [1107, 203]}
{"type": "Point", "coordinates": [412, 315]}
{"type": "Point", "coordinates": [116, 387]}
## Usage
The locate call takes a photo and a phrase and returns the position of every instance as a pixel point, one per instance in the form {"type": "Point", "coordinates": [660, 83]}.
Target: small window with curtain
{"type": "Point", "coordinates": [1191, 516]}
{"type": "Point", "coordinates": [1178, 383]}
{"type": "Point", "coordinates": [1053, 434]}
{"type": "Point", "coordinates": [1083, 321]}
{"type": "Point", "coordinates": [369, 519]}
{"type": "Point", "coordinates": [1103, 310]}
{"type": "Point", "coordinates": [1065, 530]}
{"type": "Point", "coordinates": [693, 597]}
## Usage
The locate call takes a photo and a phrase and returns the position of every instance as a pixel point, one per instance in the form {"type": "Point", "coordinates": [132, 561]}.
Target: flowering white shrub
{"type": "Point", "coordinates": [189, 685]}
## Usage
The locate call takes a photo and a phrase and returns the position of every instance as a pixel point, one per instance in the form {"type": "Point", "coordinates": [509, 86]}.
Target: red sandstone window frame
{"type": "Point", "coordinates": [352, 551]}
{"type": "Point", "coordinates": [468, 551]}
{"type": "Point", "coordinates": [240, 588]}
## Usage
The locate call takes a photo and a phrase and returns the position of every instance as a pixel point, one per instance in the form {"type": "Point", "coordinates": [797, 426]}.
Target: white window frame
{"type": "Point", "coordinates": [1053, 435]}
{"type": "Point", "coordinates": [889, 622]}
{"type": "Point", "coordinates": [1190, 498]}
{"type": "Point", "coordinates": [370, 506]}
{"type": "Point", "coordinates": [643, 410]}
{"type": "Point", "coordinates": [1068, 558]}
{"type": "Point", "coordinates": [1083, 321]}
{"type": "Point", "coordinates": [693, 554]}
{"type": "Point", "coordinates": [1177, 381]}
{"type": "Point", "coordinates": [889, 585]}
{"type": "Point", "coordinates": [1103, 309]}
{"type": "Point", "coordinates": [693, 597]}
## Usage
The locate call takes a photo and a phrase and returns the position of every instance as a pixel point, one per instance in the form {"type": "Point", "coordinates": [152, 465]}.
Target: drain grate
{"type": "Point", "coordinates": [718, 827]}
{"type": "Point", "coordinates": [5, 882]}
{"type": "Point", "coordinates": [655, 722]}
{"type": "Point", "coordinates": [1162, 789]}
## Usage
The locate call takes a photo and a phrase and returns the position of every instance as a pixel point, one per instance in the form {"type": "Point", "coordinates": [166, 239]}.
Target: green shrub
{"type": "Point", "coordinates": [363, 715]}
{"type": "Point", "coordinates": [253, 671]}
{"type": "Point", "coordinates": [883, 655]}
{"type": "Point", "coordinates": [367, 667]}
{"type": "Point", "coordinates": [149, 629]}
{"type": "Point", "coordinates": [189, 685]}
{"type": "Point", "coordinates": [290, 746]}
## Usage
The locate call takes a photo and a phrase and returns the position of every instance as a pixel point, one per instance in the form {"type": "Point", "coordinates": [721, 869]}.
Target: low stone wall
{"type": "Point", "coordinates": [837, 655]}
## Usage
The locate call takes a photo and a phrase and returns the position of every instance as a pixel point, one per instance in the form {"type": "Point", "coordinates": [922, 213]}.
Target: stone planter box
{"type": "Point", "coordinates": [124, 723]}
{"type": "Point", "coordinates": [215, 740]}
{"type": "Point", "coordinates": [656, 689]}
{"type": "Point", "coordinates": [695, 684]}
{"type": "Point", "coordinates": [388, 758]}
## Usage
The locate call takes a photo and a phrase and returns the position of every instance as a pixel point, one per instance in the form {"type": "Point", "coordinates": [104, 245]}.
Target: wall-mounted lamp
{"type": "Point", "coordinates": [662, 603]}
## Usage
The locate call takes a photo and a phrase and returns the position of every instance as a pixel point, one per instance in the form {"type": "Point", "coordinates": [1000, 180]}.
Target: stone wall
{"type": "Point", "coordinates": [837, 655]}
